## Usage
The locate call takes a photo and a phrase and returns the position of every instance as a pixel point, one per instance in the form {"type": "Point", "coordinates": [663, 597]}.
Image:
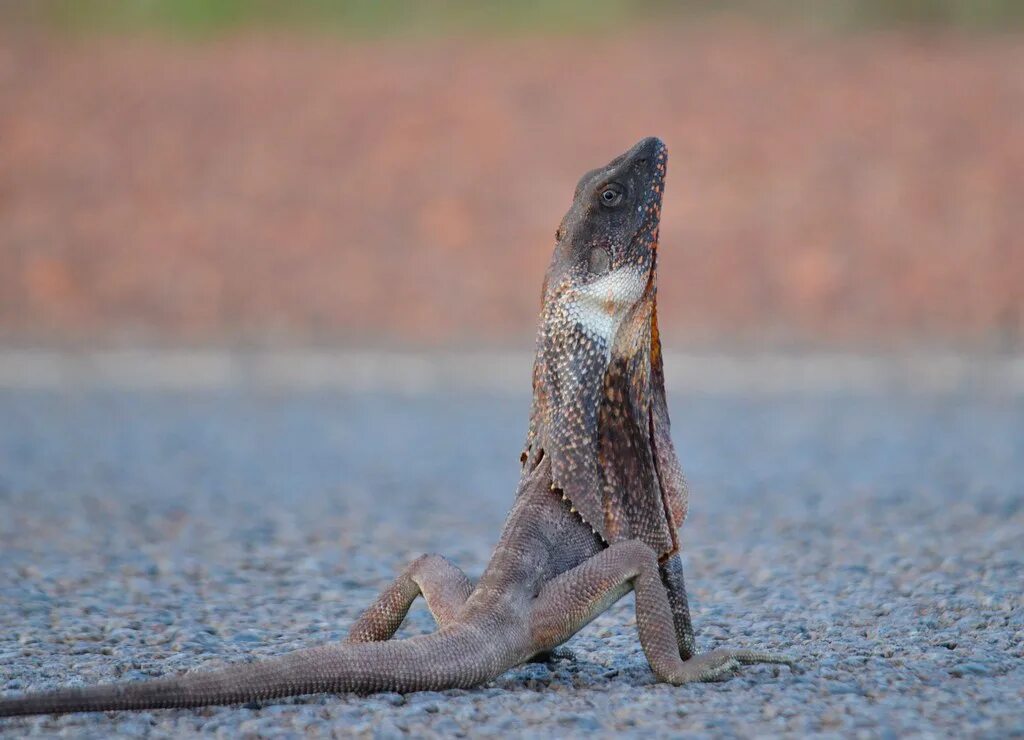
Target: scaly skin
{"type": "Point", "coordinates": [596, 512]}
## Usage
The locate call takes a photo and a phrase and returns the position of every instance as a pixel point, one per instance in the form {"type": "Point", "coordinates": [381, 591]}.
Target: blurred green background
{"type": "Point", "coordinates": [444, 16]}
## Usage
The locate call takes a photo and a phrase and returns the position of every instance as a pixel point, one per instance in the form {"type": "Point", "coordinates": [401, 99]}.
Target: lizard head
{"type": "Point", "coordinates": [599, 409]}
{"type": "Point", "coordinates": [605, 245]}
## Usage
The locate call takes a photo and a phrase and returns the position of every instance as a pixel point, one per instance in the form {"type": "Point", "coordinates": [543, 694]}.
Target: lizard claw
{"type": "Point", "coordinates": [718, 665]}
{"type": "Point", "coordinates": [752, 657]}
{"type": "Point", "coordinates": [714, 666]}
{"type": "Point", "coordinates": [722, 672]}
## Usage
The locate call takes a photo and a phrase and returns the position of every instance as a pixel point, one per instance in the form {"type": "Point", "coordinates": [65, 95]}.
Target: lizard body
{"type": "Point", "coordinates": [598, 505]}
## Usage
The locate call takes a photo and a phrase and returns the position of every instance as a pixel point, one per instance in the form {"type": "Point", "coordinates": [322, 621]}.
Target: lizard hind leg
{"type": "Point", "coordinates": [444, 586]}
{"type": "Point", "coordinates": [576, 597]}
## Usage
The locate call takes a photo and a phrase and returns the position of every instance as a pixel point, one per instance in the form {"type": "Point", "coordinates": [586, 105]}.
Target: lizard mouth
{"type": "Point", "coordinates": [650, 155]}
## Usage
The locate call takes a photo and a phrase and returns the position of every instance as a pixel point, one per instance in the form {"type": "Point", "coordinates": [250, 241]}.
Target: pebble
{"type": "Point", "coordinates": [874, 538]}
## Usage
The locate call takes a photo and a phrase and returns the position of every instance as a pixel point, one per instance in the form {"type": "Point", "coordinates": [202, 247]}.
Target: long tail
{"type": "Point", "coordinates": [458, 657]}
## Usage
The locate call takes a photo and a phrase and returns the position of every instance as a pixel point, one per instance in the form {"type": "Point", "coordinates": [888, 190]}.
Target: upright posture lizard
{"type": "Point", "coordinates": [599, 501]}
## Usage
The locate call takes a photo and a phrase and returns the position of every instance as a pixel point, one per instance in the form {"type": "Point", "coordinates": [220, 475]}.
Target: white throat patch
{"type": "Point", "coordinates": [600, 306]}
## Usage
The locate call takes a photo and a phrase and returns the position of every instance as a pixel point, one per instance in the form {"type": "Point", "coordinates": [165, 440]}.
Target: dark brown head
{"type": "Point", "coordinates": [599, 407]}
{"type": "Point", "coordinates": [604, 251]}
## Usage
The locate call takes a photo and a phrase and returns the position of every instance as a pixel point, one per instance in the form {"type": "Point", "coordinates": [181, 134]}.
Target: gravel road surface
{"type": "Point", "coordinates": [878, 537]}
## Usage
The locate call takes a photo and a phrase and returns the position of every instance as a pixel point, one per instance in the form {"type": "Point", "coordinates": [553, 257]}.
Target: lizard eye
{"type": "Point", "coordinates": [599, 261]}
{"type": "Point", "coordinates": [612, 195]}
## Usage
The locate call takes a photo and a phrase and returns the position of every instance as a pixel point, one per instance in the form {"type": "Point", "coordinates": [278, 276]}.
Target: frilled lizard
{"type": "Point", "coordinates": [596, 514]}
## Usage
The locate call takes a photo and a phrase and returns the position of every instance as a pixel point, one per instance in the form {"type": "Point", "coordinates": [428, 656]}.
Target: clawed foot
{"type": "Point", "coordinates": [719, 664]}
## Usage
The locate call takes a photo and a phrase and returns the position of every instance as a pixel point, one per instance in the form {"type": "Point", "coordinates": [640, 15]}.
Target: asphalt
{"type": "Point", "coordinates": [879, 537]}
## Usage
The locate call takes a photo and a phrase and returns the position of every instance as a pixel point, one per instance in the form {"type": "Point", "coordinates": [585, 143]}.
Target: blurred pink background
{"type": "Point", "coordinates": [856, 188]}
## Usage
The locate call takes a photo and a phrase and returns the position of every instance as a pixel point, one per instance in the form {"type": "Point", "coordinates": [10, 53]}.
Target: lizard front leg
{"type": "Point", "coordinates": [573, 599]}
{"type": "Point", "coordinates": [444, 586]}
{"type": "Point", "coordinates": [675, 587]}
